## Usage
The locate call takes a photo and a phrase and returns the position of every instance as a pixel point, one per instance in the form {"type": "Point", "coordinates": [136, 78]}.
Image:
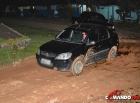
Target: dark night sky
{"type": "Point", "coordinates": [43, 2]}
{"type": "Point", "coordinates": [35, 2]}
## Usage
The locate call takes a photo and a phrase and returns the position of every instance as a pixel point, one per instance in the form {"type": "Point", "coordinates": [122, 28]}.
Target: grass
{"type": "Point", "coordinates": [1, 40]}
{"type": "Point", "coordinates": [38, 37]}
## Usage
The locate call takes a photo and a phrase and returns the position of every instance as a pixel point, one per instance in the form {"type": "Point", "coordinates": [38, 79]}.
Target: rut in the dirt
{"type": "Point", "coordinates": [126, 48]}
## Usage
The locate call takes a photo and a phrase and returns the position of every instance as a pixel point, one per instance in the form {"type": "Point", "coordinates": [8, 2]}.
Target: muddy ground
{"type": "Point", "coordinates": [27, 82]}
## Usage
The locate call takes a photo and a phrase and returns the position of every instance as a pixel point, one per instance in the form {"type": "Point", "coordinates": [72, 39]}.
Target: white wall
{"type": "Point", "coordinates": [84, 8]}
{"type": "Point", "coordinates": [26, 7]}
{"type": "Point", "coordinates": [109, 11]}
{"type": "Point", "coordinates": [133, 15]}
{"type": "Point", "coordinates": [103, 10]}
{"type": "Point", "coordinates": [41, 7]}
{"type": "Point", "coordinates": [116, 16]}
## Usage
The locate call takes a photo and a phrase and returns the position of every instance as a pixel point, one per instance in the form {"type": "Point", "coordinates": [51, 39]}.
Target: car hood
{"type": "Point", "coordinates": [59, 47]}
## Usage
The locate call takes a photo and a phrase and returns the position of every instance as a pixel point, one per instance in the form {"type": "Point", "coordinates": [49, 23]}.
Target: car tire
{"type": "Point", "coordinates": [77, 66]}
{"type": "Point", "coordinates": [112, 54]}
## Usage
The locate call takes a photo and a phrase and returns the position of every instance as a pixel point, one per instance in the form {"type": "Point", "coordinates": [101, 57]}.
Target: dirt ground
{"type": "Point", "coordinates": [27, 82]}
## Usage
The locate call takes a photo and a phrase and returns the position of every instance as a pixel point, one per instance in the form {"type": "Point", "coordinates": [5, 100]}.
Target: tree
{"type": "Point", "coordinates": [135, 6]}
{"type": "Point", "coordinates": [125, 6]}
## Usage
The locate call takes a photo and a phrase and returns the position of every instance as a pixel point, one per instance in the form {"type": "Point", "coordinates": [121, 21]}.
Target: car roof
{"type": "Point", "coordinates": [86, 12]}
{"type": "Point", "coordinates": [87, 26]}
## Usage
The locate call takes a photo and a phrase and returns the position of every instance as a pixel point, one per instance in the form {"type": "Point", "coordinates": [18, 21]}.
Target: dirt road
{"type": "Point", "coordinates": [27, 82]}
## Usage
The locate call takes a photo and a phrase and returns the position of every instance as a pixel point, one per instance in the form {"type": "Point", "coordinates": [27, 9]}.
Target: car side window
{"type": "Point", "coordinates": [94, 18]}
{"type": "Point", "coordinates": [103, 34]}
{"type": "Point", "coordinates": [102, 18]}
{"type": "Point", "coordinates": [94, 36]}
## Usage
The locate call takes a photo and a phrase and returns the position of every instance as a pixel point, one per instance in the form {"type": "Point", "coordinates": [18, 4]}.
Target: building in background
{"type": "Point", "coordinates": [108, 11]}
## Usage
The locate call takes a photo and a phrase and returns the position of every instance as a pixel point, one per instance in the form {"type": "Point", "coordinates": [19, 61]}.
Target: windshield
{"type": "Point", "coordinates": [70, 35]}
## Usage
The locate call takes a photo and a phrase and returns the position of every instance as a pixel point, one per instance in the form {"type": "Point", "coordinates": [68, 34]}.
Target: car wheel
{"type": "Point", "coordinates": [112, 54]}
{"type": "Point", "coordinates": [77, 66]}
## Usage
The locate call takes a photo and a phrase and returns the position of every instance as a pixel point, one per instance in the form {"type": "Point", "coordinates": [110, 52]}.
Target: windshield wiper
{"type": "Point", "coordinates": [58, 39]}
{"type": "Point", "coordinates": [64, 39]}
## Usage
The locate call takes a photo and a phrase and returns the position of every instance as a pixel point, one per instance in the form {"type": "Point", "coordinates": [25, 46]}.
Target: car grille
{"type": "Point", "coordinates": [48, 54]}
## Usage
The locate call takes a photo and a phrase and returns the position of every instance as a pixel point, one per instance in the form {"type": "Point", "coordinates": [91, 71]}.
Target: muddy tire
{"type": "Point", "coordinates": [77, 66]}
{"type": "Point", "coordinates": [112, 54]}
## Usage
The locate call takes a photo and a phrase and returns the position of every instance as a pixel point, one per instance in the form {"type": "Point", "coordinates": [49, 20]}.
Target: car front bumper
{"type": "Point", "coordinates": [60, 65]}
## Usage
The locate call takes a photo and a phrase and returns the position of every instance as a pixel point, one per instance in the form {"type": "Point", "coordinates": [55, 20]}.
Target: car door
{"type": "Point", "coordinates": [104, 42]}
{"type": "Point", "coordinates": [92, 53]}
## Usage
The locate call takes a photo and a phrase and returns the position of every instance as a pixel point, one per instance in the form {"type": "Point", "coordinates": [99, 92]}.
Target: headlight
{"type": "Point", "coordinates": [38, 51]}
{"type": "Point", "coordinates": [64, 56]}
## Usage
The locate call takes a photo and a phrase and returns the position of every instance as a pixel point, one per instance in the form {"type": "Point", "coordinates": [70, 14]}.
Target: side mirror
{"type": "Point", "coordinates": [91, 43]}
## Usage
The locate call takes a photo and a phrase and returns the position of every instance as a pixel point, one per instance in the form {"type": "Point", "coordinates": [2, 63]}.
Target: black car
{"type": "Point", "coordinates": [78, 46]}
{"type": "Point", "coordinates": [92, 17]}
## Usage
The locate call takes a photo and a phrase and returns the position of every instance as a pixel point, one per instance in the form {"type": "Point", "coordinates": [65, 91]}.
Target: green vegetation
{"type": "Point", "coordinates": [1, 40]}
{"type": "Point", "coordinates": [38, 37]}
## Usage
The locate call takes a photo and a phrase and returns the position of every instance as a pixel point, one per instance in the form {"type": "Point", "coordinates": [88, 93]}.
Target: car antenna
{"type": "Point", "coordinates": [80, 23]}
